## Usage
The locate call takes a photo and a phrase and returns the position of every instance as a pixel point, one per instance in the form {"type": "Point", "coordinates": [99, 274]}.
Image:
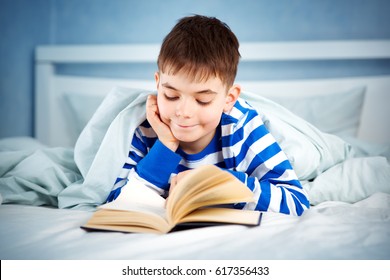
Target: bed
{"type": "Point", "coordinates": [335, 131]}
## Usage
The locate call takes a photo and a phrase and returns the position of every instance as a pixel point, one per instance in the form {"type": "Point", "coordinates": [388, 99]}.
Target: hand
{"type": "Point", "coordinates": [176, 179]}
{"type": "Point", "coordinates": [162, 130]}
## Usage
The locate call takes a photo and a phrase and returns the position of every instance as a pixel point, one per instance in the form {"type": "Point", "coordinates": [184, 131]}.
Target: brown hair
{"type": "Point", "coordinates": [202, 47]}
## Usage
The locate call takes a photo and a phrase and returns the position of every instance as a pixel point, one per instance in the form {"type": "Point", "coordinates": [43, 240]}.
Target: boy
{"type": "Point", "coordinates": [198, 118]}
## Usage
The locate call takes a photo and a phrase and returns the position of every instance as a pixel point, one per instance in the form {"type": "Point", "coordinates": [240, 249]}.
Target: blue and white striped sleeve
{"type": "Point", "coordinates": [254, 157]}
{"type": "Point", "coordinates": [143, 163]}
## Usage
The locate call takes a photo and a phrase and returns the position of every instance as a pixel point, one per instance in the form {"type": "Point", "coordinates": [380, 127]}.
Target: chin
{"type": "Point", "coordinates": [185, 138]}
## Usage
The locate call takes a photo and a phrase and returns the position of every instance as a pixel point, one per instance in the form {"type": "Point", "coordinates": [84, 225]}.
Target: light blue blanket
{"type": "Point", "coordinates": [33, 174]}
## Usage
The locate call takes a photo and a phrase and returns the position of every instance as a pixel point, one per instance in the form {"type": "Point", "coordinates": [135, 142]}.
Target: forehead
{"type": "Point", "coordinates": [182, 81]}
{"type": "Point", "coordinates": [198, 72]}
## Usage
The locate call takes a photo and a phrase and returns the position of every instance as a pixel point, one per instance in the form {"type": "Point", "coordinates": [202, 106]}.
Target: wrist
{"type": "Point", "coordinates": [172, 145]}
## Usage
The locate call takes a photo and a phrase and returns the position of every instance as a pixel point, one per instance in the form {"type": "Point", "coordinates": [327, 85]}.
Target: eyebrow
{"type": "Point", "coordinates": [205, 91]}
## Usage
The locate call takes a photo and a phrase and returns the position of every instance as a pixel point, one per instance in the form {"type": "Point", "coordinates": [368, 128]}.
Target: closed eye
{"type": "Point", "coordinates": [203, 103]}
{"type": "Point", "coordinates": [170, 98]}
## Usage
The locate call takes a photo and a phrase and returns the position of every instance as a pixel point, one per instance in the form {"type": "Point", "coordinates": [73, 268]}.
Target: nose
{"type": "Point", "coordinates": [185, 108]}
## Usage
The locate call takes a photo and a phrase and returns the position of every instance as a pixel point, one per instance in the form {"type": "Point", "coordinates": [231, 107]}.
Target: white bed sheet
{"type": "Point", "coordinates": [330, 230]}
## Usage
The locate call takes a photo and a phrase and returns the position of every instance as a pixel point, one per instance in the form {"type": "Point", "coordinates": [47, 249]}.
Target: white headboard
{"type": "Point", "coordinates": [53, 122]}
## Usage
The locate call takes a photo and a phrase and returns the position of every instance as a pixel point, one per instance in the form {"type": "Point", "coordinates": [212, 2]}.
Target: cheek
{"type": "Point", "coordinates": [164, 108]}
{"type": "Point", "coordinates": [211, 116]}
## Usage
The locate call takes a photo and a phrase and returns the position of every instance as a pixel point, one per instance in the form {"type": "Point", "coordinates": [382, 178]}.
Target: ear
{"type": "Point", "coordinates": [157, 79]}
{"type": "Point", "coordinates": [231, 97]}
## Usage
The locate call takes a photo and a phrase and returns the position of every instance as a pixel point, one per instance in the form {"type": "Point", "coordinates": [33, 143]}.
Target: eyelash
{"type": "Point", "coordinates": [170, 98]}
{"type": "Point", "coordinates": [201, 103]}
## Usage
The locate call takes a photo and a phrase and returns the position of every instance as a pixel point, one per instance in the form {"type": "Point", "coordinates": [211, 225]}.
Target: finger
{"type": "Point", "coordinates": [152, 100]}
{"type": "Point", "coordinates": [173, 183]}
{"type": "Point", "coordinates": [181, 175]}
{"type": "Point", "coordinates": [151, 107]}
{"type": "Point", "coordinates": [177, 178]}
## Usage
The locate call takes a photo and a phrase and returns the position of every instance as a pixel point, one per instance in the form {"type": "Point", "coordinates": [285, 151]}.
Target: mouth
{"type": "Point", "coordinates": [182, 126]}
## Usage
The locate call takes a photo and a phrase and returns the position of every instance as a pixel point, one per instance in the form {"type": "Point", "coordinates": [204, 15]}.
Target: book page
{"type": "Point", "coordinates": [127, 221]}
{"type": "Point", "coordinates": [206, 186]}
{"type": "Point", "coordinates": [197, 181]}
{"type": "Point", "coordinates": [135, 196]}
{"type": "Point", "coordinates": [217, 195]}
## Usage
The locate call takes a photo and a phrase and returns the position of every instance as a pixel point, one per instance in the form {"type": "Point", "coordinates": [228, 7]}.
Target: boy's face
{"type": "Point", "coordinates": [192, 110]}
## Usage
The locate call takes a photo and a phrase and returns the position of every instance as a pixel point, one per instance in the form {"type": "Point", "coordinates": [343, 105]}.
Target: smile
{"type": "Point", "coordinates": [185, 126]}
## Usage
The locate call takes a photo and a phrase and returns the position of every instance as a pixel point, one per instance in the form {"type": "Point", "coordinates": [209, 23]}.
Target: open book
{"type": "Point", "coordinates": [199, 199]}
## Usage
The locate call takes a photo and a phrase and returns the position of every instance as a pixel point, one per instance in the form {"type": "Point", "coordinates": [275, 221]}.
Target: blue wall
{"type": "Point", "coordinates": [25, 24]}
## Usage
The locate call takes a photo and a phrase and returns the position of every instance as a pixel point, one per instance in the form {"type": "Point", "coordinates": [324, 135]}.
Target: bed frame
{"type": "Point", "coordinates": [53, 125]}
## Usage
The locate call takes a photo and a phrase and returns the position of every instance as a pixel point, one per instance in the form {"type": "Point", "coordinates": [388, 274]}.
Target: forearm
{"type": "Point", "coordinates": [158, 165]}
{"type": "Point", "coordinates": [284, 197]}
{"type": "Point", "coordinates": [275, 194]}
{"type": "Point", "coordinates": [153, 170]}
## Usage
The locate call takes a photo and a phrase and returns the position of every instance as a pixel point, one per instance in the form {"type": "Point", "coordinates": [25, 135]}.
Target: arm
{"type": "Point", "coordinates": [277, 189]}
{"type": "Point", "coordinates": [257, 160]}
{"type": "Point", "coordinates": [144, 163]}
{"type": "Point", "coordinates": [144, 159]}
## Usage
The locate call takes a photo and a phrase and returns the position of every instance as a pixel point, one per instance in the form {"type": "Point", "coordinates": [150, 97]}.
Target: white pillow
{"type": "Point", "coordinates": [337, 113]}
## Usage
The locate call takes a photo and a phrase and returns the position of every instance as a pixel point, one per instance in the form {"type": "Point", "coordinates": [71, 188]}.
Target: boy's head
{"type": "Point", "coordinates": [200, 47]}
{"type": "Point", "coordinates": [197, 67]}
